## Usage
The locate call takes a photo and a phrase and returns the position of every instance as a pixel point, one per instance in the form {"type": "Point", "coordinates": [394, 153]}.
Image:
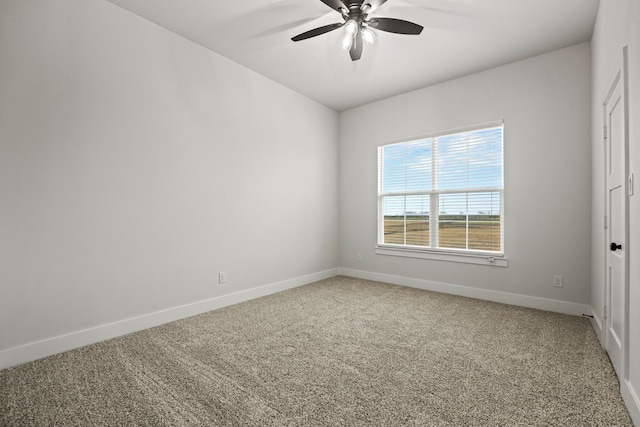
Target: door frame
{"type": "Point", "coordinates": [620, 76]}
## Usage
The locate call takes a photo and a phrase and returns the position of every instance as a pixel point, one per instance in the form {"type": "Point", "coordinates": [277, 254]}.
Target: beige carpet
{"type": "Point", "coordinates": [341, 351]}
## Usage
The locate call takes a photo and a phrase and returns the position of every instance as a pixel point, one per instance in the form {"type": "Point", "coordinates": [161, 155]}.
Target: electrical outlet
{"type": "Point", "coordinates": [359, 257]}
{"type": "Point", "coordinates": [222, 277]}
{"type": "Point", "coordinates": [557, 281]}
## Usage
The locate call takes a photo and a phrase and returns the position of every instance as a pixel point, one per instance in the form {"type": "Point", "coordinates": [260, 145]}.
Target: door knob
{"type": "Point", "coordinates": [614, 246]}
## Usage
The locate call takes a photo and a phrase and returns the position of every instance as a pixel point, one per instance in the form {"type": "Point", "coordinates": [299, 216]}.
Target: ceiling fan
{"type": "Point", "coordinates": [358, 24]}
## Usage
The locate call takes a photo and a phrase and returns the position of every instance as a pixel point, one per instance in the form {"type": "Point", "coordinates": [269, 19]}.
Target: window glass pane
{"type": "Point", "coordinates": [485, 159]}
{"type": "Point", "coordinates": [393, 208]}
{"type": "Point", "coordinates": [417, 220]}
{"type": "Point", "coordinates": [407, 166]}
{"type": "Point", "coordinates": [470, 160]}
{"type": "Point", "coordinates": [452, 221]}
{"type": "Point", "coordinates": [393, 168]}
{"type": "Point", "coordinates": [419, 165]}
{"type": "Point", "coordinates": [484, 221]}
{"type": "Point", "coordinates": [452, 163]}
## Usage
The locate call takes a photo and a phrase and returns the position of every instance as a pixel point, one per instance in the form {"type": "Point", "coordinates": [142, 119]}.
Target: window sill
{"type": "Point", "coordinates": [482, 259]}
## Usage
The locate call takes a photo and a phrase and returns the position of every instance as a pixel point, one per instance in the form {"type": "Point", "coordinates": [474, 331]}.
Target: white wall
{"type": "Point", "coordinates": [618, 25]}
{"type": "Point", "coordinates": [136, 165]}
{"type": "Point", "coordinates": [544, 102]}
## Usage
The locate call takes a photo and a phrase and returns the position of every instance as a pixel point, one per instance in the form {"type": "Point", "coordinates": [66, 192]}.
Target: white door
{"type": "Point", "coordinates": [615, 312]}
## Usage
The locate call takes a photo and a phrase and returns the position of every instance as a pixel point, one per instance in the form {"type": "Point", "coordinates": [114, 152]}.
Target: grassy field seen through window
{"type": "Point", "coordinates": [483, 231]}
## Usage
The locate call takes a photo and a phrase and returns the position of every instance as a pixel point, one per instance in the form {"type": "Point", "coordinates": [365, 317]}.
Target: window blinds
{"type": "Point", "coordinates": [443, 192]}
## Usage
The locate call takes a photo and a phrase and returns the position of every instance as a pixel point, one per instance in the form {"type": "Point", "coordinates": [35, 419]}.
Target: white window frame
{"type": "Point", "coordinates": [491, 258]}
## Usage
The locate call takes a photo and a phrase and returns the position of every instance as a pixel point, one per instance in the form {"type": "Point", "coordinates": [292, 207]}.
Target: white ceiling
{"type": "Point", "coordinates": [460, 37]}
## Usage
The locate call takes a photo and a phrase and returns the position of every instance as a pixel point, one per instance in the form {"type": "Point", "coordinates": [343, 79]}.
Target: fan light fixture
{"type": "Point", "coordinates": [358, 25]}
{"type": "Point", "coordinates": [368, 35]}
{"type": "Point", "coordinates": [351, 27]}
{"type": "Point", "coordinates": [347, 41]}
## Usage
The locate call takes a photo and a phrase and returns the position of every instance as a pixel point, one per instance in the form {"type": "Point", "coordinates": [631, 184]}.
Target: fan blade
{"type": "Point", "coordinates": [356, 47]}
{"type": "Point", "coordinates": [397, 26]}
{"type": "Point", "coordinates": [374, 4]}
{"type": "Point", "coordinates": [335, 5]}
{"type": "Point", "coordinates": [316, 32]}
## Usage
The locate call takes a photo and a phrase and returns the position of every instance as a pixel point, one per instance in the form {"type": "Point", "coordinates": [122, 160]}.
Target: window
{"type": "Point", "coordinates": [443, 193]}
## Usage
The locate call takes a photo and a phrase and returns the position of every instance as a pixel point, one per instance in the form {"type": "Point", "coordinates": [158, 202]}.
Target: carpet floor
{"type": "Point", "coordinates": [341, 351]}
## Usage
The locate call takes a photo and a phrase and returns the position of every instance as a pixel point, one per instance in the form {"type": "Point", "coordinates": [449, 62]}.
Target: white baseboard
{"type": "Point", "coordinates": [39, 349]}
{"type": "Point", "coordinates": [632, 401]}
{"type": "Point", "coordinates": [596, 322]}
{"type": "Point", "coordinates": [477, 293]}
